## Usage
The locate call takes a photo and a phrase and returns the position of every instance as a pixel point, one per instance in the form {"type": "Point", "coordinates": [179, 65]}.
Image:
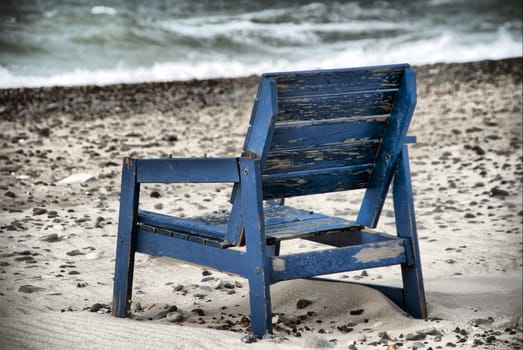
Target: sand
{"type": "Point", "coordinates": [60, 159]}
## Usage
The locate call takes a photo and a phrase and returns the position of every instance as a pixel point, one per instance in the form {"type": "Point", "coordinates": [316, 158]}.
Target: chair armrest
{"type": "Point", "coordinates": [197, 170]}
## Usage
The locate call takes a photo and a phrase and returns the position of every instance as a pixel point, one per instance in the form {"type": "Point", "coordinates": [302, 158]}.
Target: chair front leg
{"type": "Point", "coordinates": [253, 220]}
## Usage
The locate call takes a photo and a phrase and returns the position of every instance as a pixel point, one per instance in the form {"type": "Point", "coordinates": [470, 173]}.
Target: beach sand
{"type": "Point", "coordinates": [57, 233]}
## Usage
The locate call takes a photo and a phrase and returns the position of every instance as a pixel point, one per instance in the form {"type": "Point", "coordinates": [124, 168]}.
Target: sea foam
{"type": "Point", "coordinates": [436, 47]}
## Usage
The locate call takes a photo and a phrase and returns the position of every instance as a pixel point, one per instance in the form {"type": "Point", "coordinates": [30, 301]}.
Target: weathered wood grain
{"type": "Point", "coordinates": [126, 240]}
{"type": "Point", "coordinates": [334, 106]}
{"type": "Point", "coordinates": [189, 226]}
{"type": "Point", "coordinates": [295, 84]}
{"type": "Point", "coordinates": [309, 227]}
{"type": "Point", "coordinates": [316, 181]}
{"type": "Point", "coordinates": [337, 260]}
{"type": "Point", "coordinates": [167, 170]}
{"type": "Point", "coordinates": [393, 141]}
{"type": "Point", "coordinates": [196, 253]}
{"type": "Point", "coordinates": [324, 156]}
{"type": "Point", "coordinates": [334, 132]}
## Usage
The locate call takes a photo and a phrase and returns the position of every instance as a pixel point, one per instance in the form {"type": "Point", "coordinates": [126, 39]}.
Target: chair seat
{"type": "Point", "coordinates": [281, 223]}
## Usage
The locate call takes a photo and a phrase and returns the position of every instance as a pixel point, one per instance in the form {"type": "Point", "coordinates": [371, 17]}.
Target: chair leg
{"type": "Point", "coordinates": [260, 302]}
{"type": "Point", "coordinates": [413, 288]}
{"type": "Point", "coordinates": [125, 248]}
{"type": "Point", "coordinates": [257, 250]}
{"type": "Point", "coordinates": [413, 291]}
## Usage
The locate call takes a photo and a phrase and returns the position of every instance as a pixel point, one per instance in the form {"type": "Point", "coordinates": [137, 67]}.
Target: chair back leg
{"type": "Point", "coordinates": [413, 289]}
{"type": "Point", "coordinates": [125, 246]}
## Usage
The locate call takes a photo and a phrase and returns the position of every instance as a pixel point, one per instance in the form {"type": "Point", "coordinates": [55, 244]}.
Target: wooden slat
{"type": "Point", "coordinates": [312, 182]}
{"type": "Point", "coordinates": [335, 106]}
{"type": "Point", "coordinates": [190, 226]}
{"type": "Point", "coordinates": [263, 118]}
{"type": "Point", "coordinates": [187, 170]}
{"type": "Point", "coordinates": [201, 239]}
{"type": "Point", "coordinates": [392, 143]}
{"type": "Point", "coordinates": [341, 155]}
{"type": "Point", "coordinates": [334, 133]}
{"type": "Point", "coordinates": [277, 214]}
{"type": "Point", "coordinates": [310, 227]}
{"type": "Point", "coordinates": [342, 239]}
{"type": "Point", "coordinates": [220, 259]}
{"type": "Point", "coordinates": [331, 82]}
{"type": "Point", "coordinates": [338, 260]}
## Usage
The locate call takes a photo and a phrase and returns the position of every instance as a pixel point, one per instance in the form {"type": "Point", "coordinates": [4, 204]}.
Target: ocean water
{"type": "Point", "coordinates": [76, 42]}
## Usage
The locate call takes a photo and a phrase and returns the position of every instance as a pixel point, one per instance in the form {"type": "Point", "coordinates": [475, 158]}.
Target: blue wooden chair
{"type": "Point", "coordinates": [310, 132]}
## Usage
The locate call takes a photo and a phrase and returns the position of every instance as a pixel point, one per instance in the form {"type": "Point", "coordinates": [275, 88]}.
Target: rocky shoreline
{"type": "Point", "coordinates": [88, 102]}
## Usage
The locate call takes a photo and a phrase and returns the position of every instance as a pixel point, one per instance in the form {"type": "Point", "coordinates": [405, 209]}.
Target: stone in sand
{"type": "Point", "coordinates": [198, 312]}
{"type": "Point", "coordinates": [10, 194]}
{"type": "Point", "coordinates": [100, 307]}
{"type": "Point", "coordinates": [39, 211]}
{"type": "Point", "coordinates": [498, 192]}
{"type": "Point", "coordinates": [303, 303]}
{"type": "Point", "coordinates": [53, 237]}
{"type": "Point", "coordinates": [174, 317]}
{"type": "Point", "coordinates": [356, 312]}
{"type": "Point", "coordinates": [415, 336]}
{"type": "Point", "coordinates": [75, 252]}
{"type": "Point", "coordinates": [30, 289]}
{"type": "Point", "coordinates": [249, 338]}
{"type": "Point", "coordinates": [165, 312]}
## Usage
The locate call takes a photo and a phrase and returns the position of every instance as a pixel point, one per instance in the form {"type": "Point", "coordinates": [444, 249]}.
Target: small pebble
{"type": "Point", "coordinates": [415, 336]}
{"type": "Point", "coordinates": [165, 312]}
{"type": "Point", "coordinates": [39, 211]}
{"type": "Point", "coordinates": [100, 307]}
{"type": "Point", "coordinates": [51, 238]}
{"type": "Point", "coordinates": [228, 285]}
{"type": "Point", "coordinates": [249, 338]}
{"type": "Point", "coordinates": [217, 284]}
{"type": "Point", "coordinates": [498, 192]}
{"type": "Point", "coordinates": [303, 303]}
{"type": "Point", "coordinates": [29, 289]}
{"type": "Point", "coordinates": [171, 138]}
{"type": "Point", "coordinates": [174, 317]}
{"type": "Point", "coordinates": [198, 312]}
{"type": "Point", "coordinates": [75, 252]}
{"type": "Point", "coordinates": [10, 194]}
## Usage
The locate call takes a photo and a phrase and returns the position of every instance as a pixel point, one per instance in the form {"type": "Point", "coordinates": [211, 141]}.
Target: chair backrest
{"type": "Point", "coordinates": [331, 130]}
